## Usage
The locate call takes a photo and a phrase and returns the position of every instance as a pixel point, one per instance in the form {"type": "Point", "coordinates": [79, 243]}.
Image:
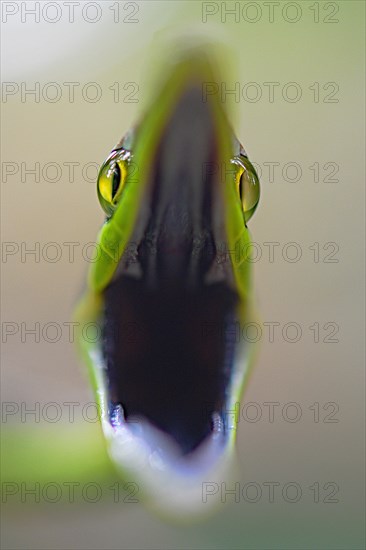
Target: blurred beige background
{"type": "Point", "coordinates": [322, 132]}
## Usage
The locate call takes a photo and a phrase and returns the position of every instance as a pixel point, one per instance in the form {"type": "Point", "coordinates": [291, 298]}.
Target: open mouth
{"type": "Point", "coordinates": [169, 360]}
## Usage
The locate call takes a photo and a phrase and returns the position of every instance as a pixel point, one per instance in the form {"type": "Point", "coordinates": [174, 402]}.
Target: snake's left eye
{"type": "Point", "coordinates": [247, 184]}
{"type": "Point", "coordinates": [112, 179]}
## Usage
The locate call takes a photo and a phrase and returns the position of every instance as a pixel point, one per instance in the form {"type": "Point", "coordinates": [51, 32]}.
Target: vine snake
{"type": "Point", "coordinates": [170, 285]}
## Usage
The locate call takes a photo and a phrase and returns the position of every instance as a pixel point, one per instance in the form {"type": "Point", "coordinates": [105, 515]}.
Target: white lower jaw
{"type": "Point", "coordinates": [173, 483]}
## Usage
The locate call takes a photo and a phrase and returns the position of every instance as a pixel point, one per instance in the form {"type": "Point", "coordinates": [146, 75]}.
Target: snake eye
{"type": "Point", "coordinates": [247, 184]}
{"type": "Point", "coordinates": [112, 179]}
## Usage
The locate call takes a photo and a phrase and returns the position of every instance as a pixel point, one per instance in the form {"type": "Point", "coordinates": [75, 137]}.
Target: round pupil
{"type": "Point", "coordinates": [116, 178]}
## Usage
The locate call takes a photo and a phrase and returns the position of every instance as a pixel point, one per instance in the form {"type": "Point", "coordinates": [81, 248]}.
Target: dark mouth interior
{"type": "Point", "coordinates": [167, 355]}
{"type": "Point", "coordinates": [168, 359]}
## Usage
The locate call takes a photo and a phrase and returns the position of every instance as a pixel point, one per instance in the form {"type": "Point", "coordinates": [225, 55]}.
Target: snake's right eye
{"type": "Point", "coordinates": [112, 180]}
{"type": "Point", "coordinates": [247, 184]}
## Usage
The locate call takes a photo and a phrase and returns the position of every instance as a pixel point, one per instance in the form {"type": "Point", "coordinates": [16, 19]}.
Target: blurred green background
{"type": "Point", "coordinates": [319, 46]}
